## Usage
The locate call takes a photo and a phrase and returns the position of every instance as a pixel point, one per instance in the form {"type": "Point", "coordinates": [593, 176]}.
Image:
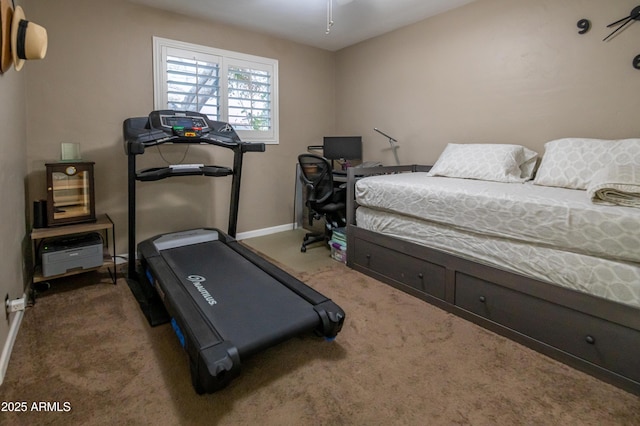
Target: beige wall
{"type": "Point", "coordinates": [13, 174]}
{"type": "Point", "coordinates": [98, 72]}
{"type": "Point", "coordinates": [503, 71]}
{"type": "Point", "coordinates": [493, 71]}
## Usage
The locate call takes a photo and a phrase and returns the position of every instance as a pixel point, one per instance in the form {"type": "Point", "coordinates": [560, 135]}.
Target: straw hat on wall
{"type": "Point", "coordinates": [6, 13]}
{"type": "Point", "coordinates": [28, 39]}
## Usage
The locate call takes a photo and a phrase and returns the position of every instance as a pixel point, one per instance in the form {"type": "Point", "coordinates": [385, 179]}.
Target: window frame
{"type": "Point", "coordinates": [225, 59]}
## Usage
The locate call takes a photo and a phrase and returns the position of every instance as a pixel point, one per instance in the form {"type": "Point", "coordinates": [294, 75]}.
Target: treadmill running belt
{"type": "Point", "coordinates": [242, 302]}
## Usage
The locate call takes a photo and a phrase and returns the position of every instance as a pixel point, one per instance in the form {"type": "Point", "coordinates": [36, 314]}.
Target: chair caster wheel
{"type": "Point", "coordinates": [303, 249]}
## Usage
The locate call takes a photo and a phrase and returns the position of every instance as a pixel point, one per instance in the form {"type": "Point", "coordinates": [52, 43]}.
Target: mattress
{"type": "Point", "coordinates": [547, 217]}
{"type": "Point", "coordinates": [615, 280]}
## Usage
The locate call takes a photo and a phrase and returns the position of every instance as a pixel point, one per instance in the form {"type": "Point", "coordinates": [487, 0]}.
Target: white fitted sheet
{"type": "Point", "coordinates": [618, 281]}
{"type": "Point", "coordinates": [556, 218]}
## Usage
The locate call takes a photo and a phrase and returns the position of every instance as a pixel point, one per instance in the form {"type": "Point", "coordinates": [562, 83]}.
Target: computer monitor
{"type": "Point", "coordinates": [342, 147]}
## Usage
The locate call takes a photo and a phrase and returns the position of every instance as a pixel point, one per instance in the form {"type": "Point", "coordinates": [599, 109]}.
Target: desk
{"type": "Point", "coordinates": [340, 177]}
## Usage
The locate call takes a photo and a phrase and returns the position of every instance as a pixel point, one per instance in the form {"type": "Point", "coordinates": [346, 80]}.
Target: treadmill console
{"type": "Point", "coordinates": [168, 126]}
{"type": "Point", "coordinates": [171, 121]}
{"type": "Point", "coordinates": [184, 126]}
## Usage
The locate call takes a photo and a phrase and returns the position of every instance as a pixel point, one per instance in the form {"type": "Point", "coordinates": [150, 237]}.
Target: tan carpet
{"type": "Point", "coordinates": [398, 360]}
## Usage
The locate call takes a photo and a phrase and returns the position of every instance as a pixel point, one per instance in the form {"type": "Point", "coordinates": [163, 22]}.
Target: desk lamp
{"type": "Point", "coordinates": [392, 142]}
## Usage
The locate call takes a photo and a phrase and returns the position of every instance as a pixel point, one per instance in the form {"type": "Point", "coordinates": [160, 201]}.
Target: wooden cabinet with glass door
{"type": "Point", "coordinates": [70, 193]}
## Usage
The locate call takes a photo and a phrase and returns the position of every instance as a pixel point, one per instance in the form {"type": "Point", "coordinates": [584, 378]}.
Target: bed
{"type": "Point", "coordinates": [543, 259]}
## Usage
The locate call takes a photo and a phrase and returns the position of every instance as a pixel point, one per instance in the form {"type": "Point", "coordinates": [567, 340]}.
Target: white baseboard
{"type": "Point", "coordinates": [16, 319]}
{"type": "Point", "coordinates": [265, 231]}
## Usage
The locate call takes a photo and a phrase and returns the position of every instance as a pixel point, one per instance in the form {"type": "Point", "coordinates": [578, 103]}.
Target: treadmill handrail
{"type": "Point", "coordinates": [159, 173]}
{"type": "Point", "coordinates": [200, 140]}
{"type": "Point", "coordinates": [246, 146]}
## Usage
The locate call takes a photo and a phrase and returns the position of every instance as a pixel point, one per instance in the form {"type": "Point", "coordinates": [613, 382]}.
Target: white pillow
{"type": "Point", "coordinates": [571, 162]}
{"type": "Point", "coordinates": [495, 162]}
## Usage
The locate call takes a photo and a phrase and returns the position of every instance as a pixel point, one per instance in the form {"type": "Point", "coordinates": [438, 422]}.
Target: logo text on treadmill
{"type": "Point", "coordinates": [197, 281]}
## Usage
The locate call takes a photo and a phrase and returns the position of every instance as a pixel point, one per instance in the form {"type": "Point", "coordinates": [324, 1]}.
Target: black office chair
{"type": "Point", "coordinates": [323, 198]}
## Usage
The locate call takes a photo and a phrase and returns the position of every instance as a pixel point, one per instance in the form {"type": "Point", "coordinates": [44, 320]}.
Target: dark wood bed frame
{"type": "Point", "coordinates": [597, 336]}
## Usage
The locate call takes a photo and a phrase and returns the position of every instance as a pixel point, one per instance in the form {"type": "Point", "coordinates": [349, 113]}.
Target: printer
{"type": "Point", "coordinates": [75, 252]}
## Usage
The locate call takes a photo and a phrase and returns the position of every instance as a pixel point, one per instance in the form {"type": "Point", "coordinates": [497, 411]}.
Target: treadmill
{"type": "Point", "coordinates": [224, 302]}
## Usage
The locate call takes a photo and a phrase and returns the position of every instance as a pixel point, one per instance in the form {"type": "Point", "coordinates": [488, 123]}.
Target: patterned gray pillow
{"type": "Point", "coordinates": [571, 162]}
{"type": "Point", "coordinates": [494, 162]}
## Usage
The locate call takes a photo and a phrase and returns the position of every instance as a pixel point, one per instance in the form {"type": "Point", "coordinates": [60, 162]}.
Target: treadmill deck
{"type": "Point", "coordinates": [226, 302]}
{"type": "Point", "coordinates": [245, 304]}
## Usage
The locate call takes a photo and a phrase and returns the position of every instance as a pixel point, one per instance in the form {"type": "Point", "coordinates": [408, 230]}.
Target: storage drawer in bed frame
{"type": "Point", "coordinates": [592, 339]}
{"type": "Point", "coordinates": [597, 336]}
{"type": "Point", "coordinates": [417, 275]}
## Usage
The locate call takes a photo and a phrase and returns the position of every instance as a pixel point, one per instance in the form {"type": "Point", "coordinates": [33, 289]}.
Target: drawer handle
{"type": "Point", "coordinates": [421, 275]}
{"type": "Point", "coordinates": [482, 299]}
{"type": "Point", "coordinates": [590, 340]}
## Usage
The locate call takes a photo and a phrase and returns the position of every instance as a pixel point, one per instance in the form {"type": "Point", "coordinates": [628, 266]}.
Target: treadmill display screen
{"type": "Point", "coordinates": [186, 122]}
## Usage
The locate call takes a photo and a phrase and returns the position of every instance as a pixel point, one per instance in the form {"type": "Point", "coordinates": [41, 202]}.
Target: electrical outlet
{"type": "Point", "coordinates": [15, 305]}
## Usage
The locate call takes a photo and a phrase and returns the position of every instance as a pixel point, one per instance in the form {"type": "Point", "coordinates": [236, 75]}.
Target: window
{"type": "Point", "coordinates": [226, 86]}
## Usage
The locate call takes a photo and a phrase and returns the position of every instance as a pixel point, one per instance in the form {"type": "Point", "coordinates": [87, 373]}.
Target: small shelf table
{"type": "Point", "coordinates": [103, 224]}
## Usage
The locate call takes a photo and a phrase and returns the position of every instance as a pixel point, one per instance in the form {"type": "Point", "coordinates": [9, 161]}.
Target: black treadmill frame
{"type": "Point", "coordinates": [216, 362]}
